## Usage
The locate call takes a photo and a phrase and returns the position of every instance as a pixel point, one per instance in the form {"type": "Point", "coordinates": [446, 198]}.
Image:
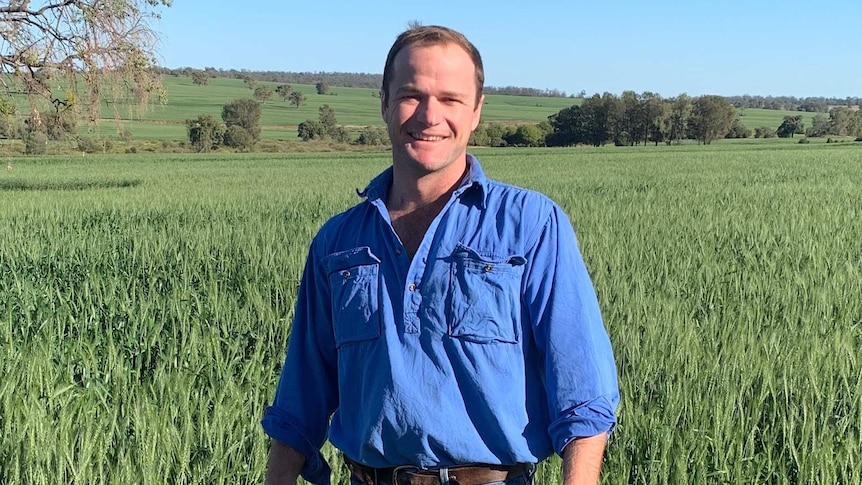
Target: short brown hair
{"type": "Point", "coordinates": [430, 35]}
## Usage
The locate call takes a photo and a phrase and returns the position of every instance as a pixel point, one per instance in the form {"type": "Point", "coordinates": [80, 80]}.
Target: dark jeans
{"type": "Point", "coordinates": [522, 480]}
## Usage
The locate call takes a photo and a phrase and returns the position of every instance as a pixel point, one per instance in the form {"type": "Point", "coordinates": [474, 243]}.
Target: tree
{"type": "Point", "coordinates": [326, 116]}
{"type": "Point", "coordinates": [244, 113]}
{"type": "Point", "coordinates": [790, 126]}
{"type": "Point", "coordinates": [764, 132]}
{"type": "Point", "coordinates": [570, 127]}
{"type": "Point", "coordinates": [297, 99]}
{"type": "Point", "coordinates": [339, 134]}
{"type": "Point", "coordinates": [322, 87]}
{"type": "Point", "coordinates": [597, 120]}
{"type": "Point", "coordinates": [711, 118]}
{"type": "Point", "coordinates": [283, 91]}
{"type": "Point", "coordinates": [738, 130]}
{"type": "Point", "coordinates": [311, 130]}
{"type": "Point", "coordinates": [90, 48]}
{"type": "Point", "coordinates": [653, 111]}
{"type": "Point", "coordinates": [373, 135]}
{"type": "Point", "coordinates": [263, 94]}
{"type": "Point", "coordinates": [205, 132]}
{"type": "Point", "coordinates": [676, 124]}
{"type": "Point", "coordinates": [250, 82]}
{"type": "Point", "coordinates": [200, 78]}
{"type": "Point", "coordinates": [526, 136]}
{"type": "Point", "coordinates": [238, 137]}
{"type": "Point", "coordinates": [820, 126]}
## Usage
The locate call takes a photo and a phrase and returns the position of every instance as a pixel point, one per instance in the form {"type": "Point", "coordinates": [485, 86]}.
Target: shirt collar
{"type": "Point", "coordinates": [474, 179]}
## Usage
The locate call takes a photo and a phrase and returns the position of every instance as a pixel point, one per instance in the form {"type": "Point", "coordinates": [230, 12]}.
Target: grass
{"type": "Point", "coordinates": [354, 107]}
{"type": "Point", "coordinates": [145, 303]}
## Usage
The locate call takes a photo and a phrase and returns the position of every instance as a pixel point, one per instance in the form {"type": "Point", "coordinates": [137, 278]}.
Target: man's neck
{"type": "Point", "coordinates": [409, 192]}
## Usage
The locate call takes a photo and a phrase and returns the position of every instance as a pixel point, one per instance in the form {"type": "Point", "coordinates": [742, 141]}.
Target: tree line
{"type": "Point", "coordinates": [818, 104]}
{"type": "Point", "coordinates": [340, 79]}
{"type": "Point", "coordinates": [633, 119]}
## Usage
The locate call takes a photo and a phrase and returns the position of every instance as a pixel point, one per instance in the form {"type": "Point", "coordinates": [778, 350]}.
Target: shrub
{"type": "Point", "coordinates": [90, 145]}
{"type": "Point", "coordinates": [738, 130]}
{"type": "Point", "coordinates": [804, 140]}
{"type": "Point", "coordinates": [205, 133]}
{"type": "Point", "coordinates": [339, 134]}
{"type": "Point", "coordinates": [35, 143]}
{"type": "Point", "coordinates": [244, 113]}
{"type": "Point", "coordinates": [237, 137]}
{"type": "Point", "coordinates": [764, 132]}
{"type": "Point", "coordinates": [373, 135]}
{"type": "Point", "coordinates": [311, 130]}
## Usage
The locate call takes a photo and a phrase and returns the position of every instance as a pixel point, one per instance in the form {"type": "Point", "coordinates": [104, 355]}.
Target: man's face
{"type": "Point", "coordinates": [431, 108]}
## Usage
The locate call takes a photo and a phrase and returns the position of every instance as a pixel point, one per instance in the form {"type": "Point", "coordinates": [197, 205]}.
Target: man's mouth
{"type": "Point", "coordinates": [423, 137]}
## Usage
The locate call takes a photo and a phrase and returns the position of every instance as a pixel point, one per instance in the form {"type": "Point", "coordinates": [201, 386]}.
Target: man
{"type": "Point", "coordinates": [446, 330]}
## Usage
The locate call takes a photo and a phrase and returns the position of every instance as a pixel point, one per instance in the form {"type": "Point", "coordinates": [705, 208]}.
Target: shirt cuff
{"type": "Point", "coordinates": [278, 426]}
{"type": "Point", "coordinates": [588, 419]}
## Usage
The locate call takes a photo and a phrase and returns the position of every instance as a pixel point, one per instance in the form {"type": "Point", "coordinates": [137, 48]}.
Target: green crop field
{"type": "Point", "coordinates": [145, 304]}
{"type": "Point", "coordinates": [355, 107]}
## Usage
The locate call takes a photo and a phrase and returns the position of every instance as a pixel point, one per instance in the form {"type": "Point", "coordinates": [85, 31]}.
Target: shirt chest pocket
{"type": "Point", "coordinates": [354, 285]}
{"type": "Point", "coordinates": [485, 296]}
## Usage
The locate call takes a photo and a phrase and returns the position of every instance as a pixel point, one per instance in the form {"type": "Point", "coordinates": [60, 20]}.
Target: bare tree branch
{"type": "Point", "coordinates": [71, 53]}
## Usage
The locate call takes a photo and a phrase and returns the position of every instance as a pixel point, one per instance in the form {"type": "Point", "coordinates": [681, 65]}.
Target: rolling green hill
{"type": "Point", "coordinates": [356, 107]}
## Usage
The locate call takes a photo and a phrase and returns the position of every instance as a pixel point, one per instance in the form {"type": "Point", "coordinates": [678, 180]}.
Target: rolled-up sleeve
{"type": "Point", "coordinates": [307, 392]}
{"type": "Point", "coordinates": [579, 373]}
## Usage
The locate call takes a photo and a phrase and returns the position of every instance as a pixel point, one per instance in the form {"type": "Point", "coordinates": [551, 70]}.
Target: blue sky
{"type": "Point", "coordinates": [767, 47]}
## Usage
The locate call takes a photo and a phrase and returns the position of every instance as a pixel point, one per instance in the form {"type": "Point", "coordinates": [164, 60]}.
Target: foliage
{"type": "Point", "coordinates": [322, 88]}
{"type": "Point", "coordinates": [58, 125]}
{"type": "Point", "coordinates": [89, 47]}
{"type": "Point", "coordinates": [711, 118]}
{"type": "Point", "coordinates": [326, 116]}
{"type": "Point", "coordinates": [764, 132]}
{"type": "Point", "coordinates": [738, 130]}
{"type": "Point", "coordinates": [236, 136]}
{"type": "Point", "coordinates": [283, 91]}
{"type": "Point", "coordinates": [35, 143]}
{"type": "Point", "coordinates": [526, 136]}
{"type": "Point", "coordinates": [311, 130]}
{"type": "Point", "coordinates": [373, 135]}
{"type": "Point", "coordinates": [244, 113]}
{"type": "Point", "coordinates": [200, 78]}
{"type": "Point", "coordinates": [339, 134]}
{"type": "Point", "coordinates": [263, 94]}
{"type": "Point", "coordinates": [820, 126]}
{"type": "Point", "coordinates": [250, 82]}
{"type": "Point", "coordinates": [205, 133]}
{"type": "Point", "coordinates": [297, 99]}
{"type": "Point", "coordinates": [790, 126]}
{"type": "Point", "coordinates": [93, 145]}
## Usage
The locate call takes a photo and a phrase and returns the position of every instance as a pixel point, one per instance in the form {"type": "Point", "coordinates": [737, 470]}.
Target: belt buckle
{"type": "Point", "coordinates": [399, 469]}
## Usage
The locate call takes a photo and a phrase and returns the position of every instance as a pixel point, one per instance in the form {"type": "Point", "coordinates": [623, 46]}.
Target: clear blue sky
{"type": "Point", "coordinates": [767, 47]}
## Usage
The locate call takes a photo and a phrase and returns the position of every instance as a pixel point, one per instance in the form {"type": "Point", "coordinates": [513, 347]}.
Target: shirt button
{"type": "Point", "coordinates": [412, 287]}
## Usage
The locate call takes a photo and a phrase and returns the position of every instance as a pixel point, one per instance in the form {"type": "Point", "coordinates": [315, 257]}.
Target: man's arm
{"type": "Point", "coordinates": [284, 464]}
{"type": "Point", "coordinates": [582, 460]}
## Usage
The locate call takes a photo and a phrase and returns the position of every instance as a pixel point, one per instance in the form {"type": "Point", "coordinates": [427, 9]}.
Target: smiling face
{"type": "Point", "coordinates": [430, 109]}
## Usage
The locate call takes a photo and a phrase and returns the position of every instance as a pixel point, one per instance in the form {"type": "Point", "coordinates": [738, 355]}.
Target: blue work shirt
{"type": "Point", "coordinates": [487, 347]}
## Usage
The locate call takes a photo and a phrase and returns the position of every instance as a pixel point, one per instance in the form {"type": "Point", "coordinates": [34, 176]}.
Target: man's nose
{"type": "Point", "coordinates": [429, 111]}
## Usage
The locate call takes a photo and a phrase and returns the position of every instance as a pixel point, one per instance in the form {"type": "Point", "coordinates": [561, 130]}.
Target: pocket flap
{"type": "Point", "coordinates": [350, 258]}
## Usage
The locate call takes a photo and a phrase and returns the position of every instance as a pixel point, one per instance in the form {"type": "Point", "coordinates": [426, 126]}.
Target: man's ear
{"type": "Point", "coordinates": [477, 113]}
{"type": "Point", "coordinates": [383, 104]}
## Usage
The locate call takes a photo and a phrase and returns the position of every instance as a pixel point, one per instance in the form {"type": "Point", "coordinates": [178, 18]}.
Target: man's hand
{"type": "Point", "coordinates": [284, 464]}
{"type": "Point", "coordinates": [582, 460]}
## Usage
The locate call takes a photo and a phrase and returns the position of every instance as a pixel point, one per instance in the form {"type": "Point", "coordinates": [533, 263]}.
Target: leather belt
{"type": "Point", "coordinates": [461, 475]}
